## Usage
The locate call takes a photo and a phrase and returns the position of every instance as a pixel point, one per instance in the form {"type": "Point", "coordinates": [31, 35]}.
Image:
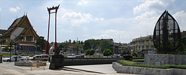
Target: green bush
{"type": "Point", "coordinates": [138, 60]}
{"type": "Point", "coordinates": [23, 54]}
{"type": "Point", "coordinates": [31, 55]}
{"type": "Point", "coordinates": [129, 63]}
{"type": "Point", "coordinates": [6, 55]}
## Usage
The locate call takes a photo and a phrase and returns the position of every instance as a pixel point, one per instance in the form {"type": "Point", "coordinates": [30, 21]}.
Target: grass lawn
{"type": "Point", "coordinates": [130, 63]}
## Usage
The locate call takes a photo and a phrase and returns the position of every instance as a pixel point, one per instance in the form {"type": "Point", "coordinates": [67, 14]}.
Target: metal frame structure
{"type": "Point", "coordinates": [167, 36]}
{"type": "Point", "coordinates": [47, 44]}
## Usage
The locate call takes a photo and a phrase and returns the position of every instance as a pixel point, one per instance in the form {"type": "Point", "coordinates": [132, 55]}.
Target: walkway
{"type": "Point", "coordinates": [8, 68]}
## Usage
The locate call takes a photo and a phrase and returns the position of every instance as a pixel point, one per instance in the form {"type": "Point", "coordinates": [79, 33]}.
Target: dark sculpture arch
{"type": "Point", "coordinates": [167, 36]}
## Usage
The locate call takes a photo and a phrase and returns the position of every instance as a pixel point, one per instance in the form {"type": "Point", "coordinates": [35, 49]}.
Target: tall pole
{"type": "Point", "coordinates": [47, 44]}
{"type": "Point", "coordinates": [55, 31]}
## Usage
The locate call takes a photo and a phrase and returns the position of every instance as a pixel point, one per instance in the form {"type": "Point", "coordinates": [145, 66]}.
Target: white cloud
{"type": "Point", "coordinates": [14, 9]}
{"type": "Point", "coordinates": [180, 17]}
{"type": "Point", "coordinates": [158, 5]}
{"type": "Point", "coordinates": [0, 9]}
{"type": "Point", "coordinates": [82, 2]}
{"type": "Point", "coordinates": [78, 18]}
{"type": "Point", "coordinates": [147, 18]}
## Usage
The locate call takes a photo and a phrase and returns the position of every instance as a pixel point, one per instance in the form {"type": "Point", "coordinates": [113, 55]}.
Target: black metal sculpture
{"type": "Point", "coordinates": [167, 36]}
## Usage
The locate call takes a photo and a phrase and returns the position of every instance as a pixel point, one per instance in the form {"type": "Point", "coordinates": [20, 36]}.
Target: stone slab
{"type": "Point", "coordinates": [147, 71]}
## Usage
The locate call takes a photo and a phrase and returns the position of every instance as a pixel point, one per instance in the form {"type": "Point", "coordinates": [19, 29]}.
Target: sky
{"type": "Point", "coordinates": [120, 20]}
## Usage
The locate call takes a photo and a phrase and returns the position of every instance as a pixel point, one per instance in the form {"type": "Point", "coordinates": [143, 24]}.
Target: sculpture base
{"type": "Point", "coordinates": [162, 59]}
{"type": "Point", "coordinates": [57, 62]}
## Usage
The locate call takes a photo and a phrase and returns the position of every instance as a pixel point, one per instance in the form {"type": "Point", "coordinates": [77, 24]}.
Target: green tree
{"type": "Point", "coordinates": [107, 52]}
{"type": "Point", "coordinates": [2, 41]}
{"type": "Point", "coordinates": [106, 45]}
{"type": "Point", "coordinates": [123, 52]}
{"type": "Point", "coordinates": [134, 54]}
{"type": "Point", "coordinates": [86, 45]}
{"type": "Point", "coordinates": [89, 52]}
{"type": "Point", "coordinates": [77, 47]}
{"type": "Point", "coordinates": [41, 42]}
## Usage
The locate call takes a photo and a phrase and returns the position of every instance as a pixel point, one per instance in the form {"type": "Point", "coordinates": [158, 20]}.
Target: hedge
{"type": "Point", "coordinates": [129, 63]}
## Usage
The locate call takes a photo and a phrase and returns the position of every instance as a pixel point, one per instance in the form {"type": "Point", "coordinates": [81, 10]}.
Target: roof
{"type": "Point", "coordinates": [17, 22]}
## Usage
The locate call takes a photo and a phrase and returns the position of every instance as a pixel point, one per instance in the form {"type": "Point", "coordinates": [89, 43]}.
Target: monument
{"type": "Point", "coordinates": [55, 43]}
{"type": "Point", "coordinates": [167, 36]}
{"type": "Point", "coordinates": [166, 39]}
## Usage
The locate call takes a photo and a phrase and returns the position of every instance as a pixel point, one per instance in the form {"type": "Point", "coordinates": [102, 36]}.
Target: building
{"type": "Point", "coordinates": [119, 47]}
{"type": "Point", "coordinates": [143, 45]}
{"type": "Point", "coordinates": [22, 32]}
{"type": "Point", "coordinates": [73, 51]}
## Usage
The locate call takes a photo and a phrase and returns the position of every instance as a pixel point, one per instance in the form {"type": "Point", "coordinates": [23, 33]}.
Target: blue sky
{"type": "Point", "coordinates": [121, 20]}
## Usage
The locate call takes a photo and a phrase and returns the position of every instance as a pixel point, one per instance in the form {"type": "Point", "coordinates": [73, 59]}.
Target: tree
{"type": "Point", "coordinates": [89, 52]}
{"type": "Point", "coordinates": [74, 42]}
{"type": "Point", "coordinates": [2, 41]}
{"type": "Point", "coordinates": [69, 41]}
{"type": "Point", "coordinates": [123, 52]}
{"type": "Point", "coordinates": [107, 52]}
{"type": "Point", "coordinates": [41, 42]}
{"type": "Point", "coordinates": [77, 46]}
{"type": "Point", "coordinates": [134, 54]}
{"type": "Point", "coordinates": [86, 45]}
{"type": "Point", "coordinates": [106, 45]}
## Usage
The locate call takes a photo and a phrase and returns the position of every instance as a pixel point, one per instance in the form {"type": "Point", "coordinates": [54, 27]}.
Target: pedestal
{"type": "Point", "coordinates": [162, 59]}
{"type": "Point", "coordinates": [57, 61]}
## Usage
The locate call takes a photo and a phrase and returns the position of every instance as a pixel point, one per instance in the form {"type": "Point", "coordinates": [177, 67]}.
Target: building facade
{"type": "Point", "coordinates": [143, 45]}
{"type": "Point", "coordinates": [119, 47]}
{"type": "Point", "coordinates": [21, 32]}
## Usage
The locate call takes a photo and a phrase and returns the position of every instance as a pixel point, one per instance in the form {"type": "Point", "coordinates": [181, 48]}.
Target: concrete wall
{"type": "Point", "coordinates": [146, 71]}
{"type": "Point", "coordinates": [162, 59]}
{"type": "Point", "coordinates": [88, 61]}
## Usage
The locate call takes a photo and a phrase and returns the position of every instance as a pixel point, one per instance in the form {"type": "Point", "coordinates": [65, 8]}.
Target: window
{"type": "Point", "coordinates": [147, 47]}
{"type": "Point", "coordinates": [147, 41]}
{"type": "Point", "coordinates": [152, 47]}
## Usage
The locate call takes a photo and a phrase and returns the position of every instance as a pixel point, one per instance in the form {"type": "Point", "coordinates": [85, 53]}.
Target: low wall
{"type": "Point", "coordinates": [162, 59]}
{"type": "Point", "coordinates": [147, 71]}
{"type": "Point", "coordinates": [30, 63]}
{"type": "Point", "coordinates": [89, 61]}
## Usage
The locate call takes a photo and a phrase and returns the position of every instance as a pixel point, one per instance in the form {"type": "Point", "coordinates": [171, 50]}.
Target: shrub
{"type": "Point", "coordinates": [23, 54]}
{"type": "Point", "coordinates": [31, 55]}
{"type": "Point", "coordinates": [138, 60]}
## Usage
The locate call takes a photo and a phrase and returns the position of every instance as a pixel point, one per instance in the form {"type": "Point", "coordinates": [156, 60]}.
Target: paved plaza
{"type": "Point", "coordinates": [8, 68]}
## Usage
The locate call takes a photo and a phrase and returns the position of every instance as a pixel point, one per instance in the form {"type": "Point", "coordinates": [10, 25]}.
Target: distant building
{"type": "Point", "coordinates": [22, 32]}
{"type": "Point", "coordinates": [143, 45]}
{"type": "Point", "coordinates": [119, 47]}
{"type": "Point", "coordinates": [73, 51]}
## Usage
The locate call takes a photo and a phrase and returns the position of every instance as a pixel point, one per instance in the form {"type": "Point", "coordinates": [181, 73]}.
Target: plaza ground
{"type": "Point", "coordinates": [8, 68]}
